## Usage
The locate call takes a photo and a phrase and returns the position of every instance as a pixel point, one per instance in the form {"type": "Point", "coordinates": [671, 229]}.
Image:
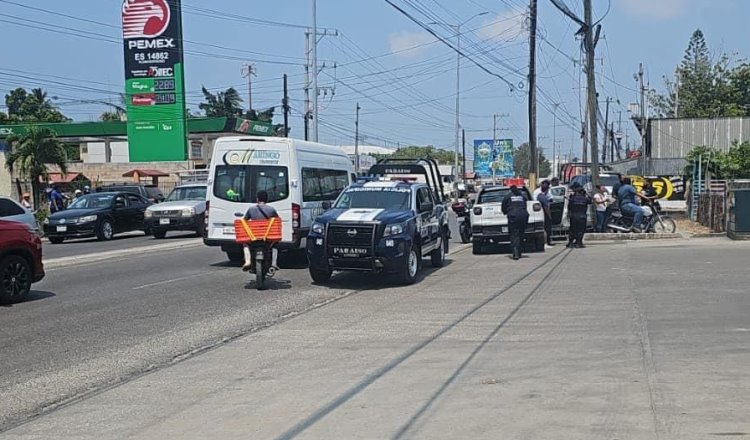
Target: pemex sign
{"type": "Point", "coordinates": [154, 80]}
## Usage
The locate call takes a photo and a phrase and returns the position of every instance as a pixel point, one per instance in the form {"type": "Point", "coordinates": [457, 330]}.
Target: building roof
{"type": "Point", "coordinates": [146, 173]}
{"type": "Point", "coordinates": [64, 178]}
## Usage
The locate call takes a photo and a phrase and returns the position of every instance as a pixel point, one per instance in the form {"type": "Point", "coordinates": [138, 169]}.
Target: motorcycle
{"type": "Point", "coordinates": [260, 246]}
{"type": "Point", "coordinates": [464, 221]}
{"type": "Point", "coordinates": [656, 222]}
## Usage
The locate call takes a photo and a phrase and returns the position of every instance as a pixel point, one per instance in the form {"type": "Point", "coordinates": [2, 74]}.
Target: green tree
{"type": "Point", "coordinates": [31, 107]}
{"type": "Point", "coordinates": [735, 164]}
{"type": "Point", "coordinates": [443, 157]}
{"type": "Point", "coordinates": [222, 104]}
{"type": "Point", "coordinates": [31, 152]}
{"type": "Point", "coordinates": [710, 160]}
{"type": "Point", "coordinates": [522, 161]}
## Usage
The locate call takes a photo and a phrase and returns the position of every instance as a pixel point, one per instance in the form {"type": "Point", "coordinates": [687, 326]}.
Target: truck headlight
{"type": "Point", "coordinates": [148, 213]}
{"type": "Point", "coordinates": [87, 219]}
{"type": "Point", "coordinates": [318, 228]}
{"type": "Point", "coordinates": [393, 229]}
{"type": "Point", "coordinates": [188, 212]}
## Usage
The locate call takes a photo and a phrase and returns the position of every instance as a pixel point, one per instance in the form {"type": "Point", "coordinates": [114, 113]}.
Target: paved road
{"type": "Point", "coordinates": [641, 340]}
{"type": "Point", "coordinates": [75, 248]}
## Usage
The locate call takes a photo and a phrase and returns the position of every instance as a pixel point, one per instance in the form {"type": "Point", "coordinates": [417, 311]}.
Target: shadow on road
{"type": "Point", "coordinates": [34, 295]}
{"type": "Point", "coordinates": [271, 284]}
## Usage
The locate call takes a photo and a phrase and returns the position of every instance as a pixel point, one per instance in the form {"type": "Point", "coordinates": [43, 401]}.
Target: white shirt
{"type": "Point", "coordinates": [598, 199]}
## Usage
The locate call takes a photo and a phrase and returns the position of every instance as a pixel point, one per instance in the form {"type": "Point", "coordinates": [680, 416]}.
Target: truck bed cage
{"type": "Point", "coordinates": [421, 166]}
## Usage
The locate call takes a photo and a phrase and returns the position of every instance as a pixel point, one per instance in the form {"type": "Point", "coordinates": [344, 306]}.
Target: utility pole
{"type": "Point", "coordinates": [463, 152]}
{"type": "Point", "coordinates": [458, 94]}
{"type": "Point", "coordinates": [606, 130]}
{"type": "Point", "coordinates": [677, 94]}
{"type": "Point", "coordinates": [494, 131]}
{"type": "Point", "coordinates": [315, 70]}
{"type": "Point", "coordinates": [644, 122]}
{"type": "Point", "coordinates": [554, 138]}
{"type": "Point", "coordinates": [356, 140]}
{"type": "Point", "coordinates": [591, 89]}
{"type": "Point", "coordinates": [285, 104]}
{"type": "Point", "coordinates": [307, 85]}
{"type": "Point", "coordinates": [533, 171]}
{"type": "Point", "coordinates": [248, 71]}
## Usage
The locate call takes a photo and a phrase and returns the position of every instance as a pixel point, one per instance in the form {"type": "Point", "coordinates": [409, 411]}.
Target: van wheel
{"type": "Point", "coordinates": [410, 267]}
{"type": "Point", "coordinates": [476, 247]}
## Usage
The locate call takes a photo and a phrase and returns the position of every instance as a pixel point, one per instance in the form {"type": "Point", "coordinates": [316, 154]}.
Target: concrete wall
{"type": "Point", "coordinates": [95, 152]}
{"type": "Point", "coordinates": [6, 180]}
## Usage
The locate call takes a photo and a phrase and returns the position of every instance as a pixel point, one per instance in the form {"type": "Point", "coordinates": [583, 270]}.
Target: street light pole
{"type": "Point", "coordinates": [458, 95]}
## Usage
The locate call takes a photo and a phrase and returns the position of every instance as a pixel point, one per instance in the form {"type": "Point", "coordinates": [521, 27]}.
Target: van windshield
{"type": "Point", "coordinates": [383, 198]}
{"type": "Point", "coordinates": [241, 183]}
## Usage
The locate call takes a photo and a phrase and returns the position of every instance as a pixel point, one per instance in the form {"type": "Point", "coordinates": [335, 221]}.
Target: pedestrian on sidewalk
{"type": "Point", "coordinates": [514, 206]}
{"type": "Point", "coordinates": [601, 201]}
{"type": "Point", "coordinates": [545, 199]}
{"type": "Point", "coordinates": [578, 206]}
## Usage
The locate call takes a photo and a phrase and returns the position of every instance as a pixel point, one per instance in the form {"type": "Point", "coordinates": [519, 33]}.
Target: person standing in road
{"type": "Point", "coordinates": [56, 200]}
{"type": "Point", "coordinates": [545, 199]}
{"type": "Point", "coordinates": [514, 207]}
{"type": "Point", "coordinates": [601, 201]}
{"type": "Point", "coordinates": [626, 196]}
{"type": "Point", "coordinates": [578, 206]}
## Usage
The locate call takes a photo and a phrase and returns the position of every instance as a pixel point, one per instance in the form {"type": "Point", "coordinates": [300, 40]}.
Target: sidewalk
{"type": "Point", "coordinates": [654, 346]}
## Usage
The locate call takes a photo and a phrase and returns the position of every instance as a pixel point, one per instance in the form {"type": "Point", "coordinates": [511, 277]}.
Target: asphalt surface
{"type": "Point", "coordinates": [645, 340]}
{"type": "Point", "coordinates": [114, 314]}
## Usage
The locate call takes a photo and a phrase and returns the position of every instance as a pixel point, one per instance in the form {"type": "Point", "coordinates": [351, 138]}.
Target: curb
{"type": "Point", "coordinates": [631, 236]}
{"type": "Point", "coordinates": [56, 263]}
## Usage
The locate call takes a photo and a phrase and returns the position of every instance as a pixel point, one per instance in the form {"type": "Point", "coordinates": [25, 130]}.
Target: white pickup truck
{"type": "Point", "coordinates": [490, 225]}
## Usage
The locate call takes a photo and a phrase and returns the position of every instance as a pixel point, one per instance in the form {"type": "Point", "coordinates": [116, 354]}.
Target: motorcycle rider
{"type": "Point", "coordinates": [514, 206]}
{"type": "Point", "coordinates": [578, 206]}
{"type": "Point", "coordinates": [259, 211]}
{"type": "Point", "coordinates": [626, 195]}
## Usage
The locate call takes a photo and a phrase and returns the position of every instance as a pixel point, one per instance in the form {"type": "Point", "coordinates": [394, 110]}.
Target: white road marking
{"type": "Point", "coordinates": [187, 277]}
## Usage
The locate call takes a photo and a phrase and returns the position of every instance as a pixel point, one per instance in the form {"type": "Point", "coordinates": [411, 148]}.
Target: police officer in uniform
{"type": "Point", "coordinates": [514, 206]}
{"type": "Point", "coordinates": [578, 206]}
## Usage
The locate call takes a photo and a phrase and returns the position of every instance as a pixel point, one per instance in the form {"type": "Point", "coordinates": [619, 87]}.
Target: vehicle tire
{"type": "Point", "coordinates": [476, 247]}
{"type": "Point", "coordinates": [665, 226]}
{"type": "Point", "coordinates": [260, 275]}
{"type": "Point", "coordinates": [235, 256]}
{"type": "Point", "coordinates": [437, 257]}
{"type": "Point", "coordinates": [465, 234]}
{"type": "Point", "coordinates": [106, 230]}
{"type": "Point", "coordinates": [320, 276]}
{"type": "Point", "coordinates": [159, 233]}
{"type": "Point", "coordinates": [612, 222]}
{"type": "Point", "coordinates": [539, 242]}
{"type": "Point", "coordinates": [56, 240]}
{"type": "Point", "coordinates": [200, 228]}
{"type": "Point", "coordinates": [410, 268]}
{"type": "Point", "coordinates": [15, 279]}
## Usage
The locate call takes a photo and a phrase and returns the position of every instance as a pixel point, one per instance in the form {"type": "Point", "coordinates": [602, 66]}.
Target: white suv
{"type": "Point", "coordinates": [490, 225]}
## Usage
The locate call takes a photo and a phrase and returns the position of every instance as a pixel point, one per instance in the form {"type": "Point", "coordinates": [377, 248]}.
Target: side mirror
{"type": "Point", "coordinates": [426, 207]}
{"type": "Point", "coordinates": [326, 205]}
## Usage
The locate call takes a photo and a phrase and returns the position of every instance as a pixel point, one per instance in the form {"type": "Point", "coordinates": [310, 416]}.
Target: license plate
{"type": "Point", "coordinates": [228, 230]}
{"type": "Point", "coordinates": [163, 221]}
{"type": "Point", "coordinates": [62, 229]}
{"type": "Point", "coordinates": [350, 252]}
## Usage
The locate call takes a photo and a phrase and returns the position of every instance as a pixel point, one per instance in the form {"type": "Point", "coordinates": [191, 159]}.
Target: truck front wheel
{"type": "Point", "coordinates": [320, 276]}
{"type": "Point", "coordinates": [410, 266]}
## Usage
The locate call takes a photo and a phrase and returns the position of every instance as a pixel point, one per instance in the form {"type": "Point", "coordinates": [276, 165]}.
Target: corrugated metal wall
{"type": "Point", "coordinates": [674, 138]}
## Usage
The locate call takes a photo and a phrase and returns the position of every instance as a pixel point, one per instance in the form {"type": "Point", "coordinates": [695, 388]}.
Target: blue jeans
{"type": "Point", "coordinates": [601, 217]}
{"type": "Point", "coordinates": [636, 212]}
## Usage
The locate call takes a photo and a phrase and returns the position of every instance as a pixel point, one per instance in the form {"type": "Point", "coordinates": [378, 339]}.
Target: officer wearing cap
{"type": "Point", "coordinates": [514, 207]}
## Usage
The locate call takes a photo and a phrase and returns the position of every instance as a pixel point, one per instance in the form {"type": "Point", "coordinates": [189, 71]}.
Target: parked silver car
{"type": "Point", "coordinates": [183, 210]}
{"type": "Point", "coordinates": [12, 210]}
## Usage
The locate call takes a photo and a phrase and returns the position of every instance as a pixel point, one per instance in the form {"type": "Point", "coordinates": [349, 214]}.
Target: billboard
{"type": "Point", "coordinates": [154, 80]}
{"type": "Point", "coordinates": [498, 157]}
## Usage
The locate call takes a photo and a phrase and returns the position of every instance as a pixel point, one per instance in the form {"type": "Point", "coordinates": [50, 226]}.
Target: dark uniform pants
{"type": "Point", "coordinates": [548, 228]}
{"type": "Point", "coordinates": [517, 226]}
{"type": "Point", "coordinates": [577, 228]}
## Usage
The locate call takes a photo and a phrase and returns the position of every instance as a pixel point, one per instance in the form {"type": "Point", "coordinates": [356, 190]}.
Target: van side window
{"type": "Point", "coordinates": [321, 185]}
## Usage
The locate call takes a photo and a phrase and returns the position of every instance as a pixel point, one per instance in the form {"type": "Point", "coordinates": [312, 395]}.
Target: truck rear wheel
{"type": "Point", "coordinates": [437, 256]}
{"type": "Point", "coordinates": [539, 242]}
{"type": "Point", "coordinates": [476, 247]}
{"type": "Point", "coordinates": [320, 276]}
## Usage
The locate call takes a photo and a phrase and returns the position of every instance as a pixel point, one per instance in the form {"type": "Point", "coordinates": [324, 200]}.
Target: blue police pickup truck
{"type": "Point", "coordinates": [387, 222]}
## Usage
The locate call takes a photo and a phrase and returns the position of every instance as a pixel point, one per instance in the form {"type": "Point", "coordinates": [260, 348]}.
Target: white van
{"type": "Point", "coordinates": [297, 175]}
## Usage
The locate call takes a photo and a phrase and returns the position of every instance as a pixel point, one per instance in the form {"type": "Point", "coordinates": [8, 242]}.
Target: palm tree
{"type": "Point", "coordinates": [226, 103]}
{"type": "Point", "coordinates": [41, 97]}
{"type": "Point", "coordinates": [31, 152]}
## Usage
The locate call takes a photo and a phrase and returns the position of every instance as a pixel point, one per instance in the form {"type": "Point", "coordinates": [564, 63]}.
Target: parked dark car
{"type": "Point", "coordinates": [100, 215]}
{"type": "Point", "coordinates": [20, 261]}
{"type": "Point", "coordinates": [150, 192]}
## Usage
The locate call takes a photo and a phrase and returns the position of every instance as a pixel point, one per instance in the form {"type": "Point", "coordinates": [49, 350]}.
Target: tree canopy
{"type": "Point", "coordinates": [522, 161]}
{"type": "Point", "coordinates": [34, 106]}
{"type": "Point", "coordinates": [734, 164]}
{"type": "Point", "coordinates": [705, 88]}
{"type": "Point", "coordinates": [443, 157]}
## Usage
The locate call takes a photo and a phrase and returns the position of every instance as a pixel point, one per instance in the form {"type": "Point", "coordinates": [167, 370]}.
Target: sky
{"type": "Point", "coordinates": [403, 78]}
